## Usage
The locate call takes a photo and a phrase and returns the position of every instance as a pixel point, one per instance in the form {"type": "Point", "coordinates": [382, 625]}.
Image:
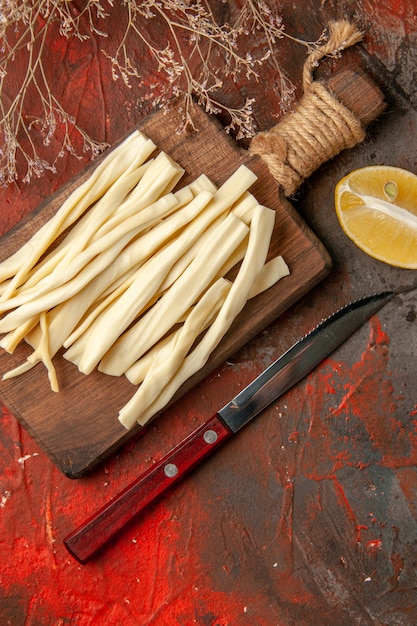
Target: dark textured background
{"type": "Point", "coordinates": [308, 517]}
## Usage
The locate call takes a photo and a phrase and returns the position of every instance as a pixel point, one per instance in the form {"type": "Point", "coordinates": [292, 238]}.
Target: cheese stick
{"type": "Point", "coordinates": [167, 362]}
{"type": "Point", "coordinates": [92, 260]}
{"type": "Point", "coordinates": [87, 351]}
{"type": "Point", "coordinates": [260, 234]}
{"type": "Point", "coordinates": [135, 148]}
{"type": "Point", "coordinates": [79, 236]}
{"type": "Point", "coordinates": [182, 294]}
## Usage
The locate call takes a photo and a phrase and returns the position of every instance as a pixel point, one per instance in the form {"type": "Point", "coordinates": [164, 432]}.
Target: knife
{"type": "Point", "coordinates": [87, 540]}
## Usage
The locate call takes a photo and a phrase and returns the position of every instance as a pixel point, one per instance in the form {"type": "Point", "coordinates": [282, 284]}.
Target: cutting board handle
{"type": "Point", "coordinates": [331, 116]}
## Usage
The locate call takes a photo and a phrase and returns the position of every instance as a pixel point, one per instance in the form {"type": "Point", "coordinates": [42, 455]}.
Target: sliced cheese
{"type": "Point", "coordinates": [182, 294]}
{"type": "Point", "coordinates": [168, 361]}
{"type": "Point", "coordinates": [135, 148]}
{"type": "Point", "coordinates": [261, 230]}
{"type": "Point", "coordinates": [83, 231]}
{"type": "Point", "coordinates": [87, 351]}
{"type": "Point", "coordinates": [92, 260]}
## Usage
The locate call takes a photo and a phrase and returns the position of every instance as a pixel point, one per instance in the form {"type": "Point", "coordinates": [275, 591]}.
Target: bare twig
{"type": "Point", "coordinates": [187, 65]}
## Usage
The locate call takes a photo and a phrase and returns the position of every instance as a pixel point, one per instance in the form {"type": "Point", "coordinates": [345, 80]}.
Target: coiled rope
{"type": "Point", "coordinates": [318, 128]}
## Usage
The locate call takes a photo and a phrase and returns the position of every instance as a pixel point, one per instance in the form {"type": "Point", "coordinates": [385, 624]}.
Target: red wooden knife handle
{"type": "Point", "coordinates": [91, 536]}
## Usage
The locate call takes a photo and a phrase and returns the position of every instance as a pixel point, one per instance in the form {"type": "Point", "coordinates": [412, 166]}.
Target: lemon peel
{"type": "Point", "coordinates": [377, 209]}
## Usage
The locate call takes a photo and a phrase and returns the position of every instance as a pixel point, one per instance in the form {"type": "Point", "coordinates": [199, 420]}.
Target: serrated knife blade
{"type": "Point", "coordinates": [278, 378]}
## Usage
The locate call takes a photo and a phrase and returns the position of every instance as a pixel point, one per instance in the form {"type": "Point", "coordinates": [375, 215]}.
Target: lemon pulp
{"type": "Point", "coordinates": [377, 209]}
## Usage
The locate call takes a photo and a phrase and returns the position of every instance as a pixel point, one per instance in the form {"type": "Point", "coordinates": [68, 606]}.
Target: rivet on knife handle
{"type": "Point", "coordinates": [89, 538]}
{"type": "Point", "coordinates": [290, 368]}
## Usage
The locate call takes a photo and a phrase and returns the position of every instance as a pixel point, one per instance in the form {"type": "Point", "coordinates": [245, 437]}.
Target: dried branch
{"type": "Point", "coordinates": [31, 105]}
{"type": "Point", "coordinates": [188, 65]}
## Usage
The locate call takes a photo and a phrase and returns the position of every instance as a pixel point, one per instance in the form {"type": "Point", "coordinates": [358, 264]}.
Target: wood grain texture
{"type": "Point", "coordinates": [358, 93]}
{"type": "Point", "coordinates": [78, 427]}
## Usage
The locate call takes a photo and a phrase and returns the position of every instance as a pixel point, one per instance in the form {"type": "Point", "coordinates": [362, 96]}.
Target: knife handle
{"type": "Point", "coordinates": [92, 535]}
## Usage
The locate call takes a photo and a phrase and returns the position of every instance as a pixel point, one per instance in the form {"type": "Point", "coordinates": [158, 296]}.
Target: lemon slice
{"type": "Point", "coordinates": [377, 209]}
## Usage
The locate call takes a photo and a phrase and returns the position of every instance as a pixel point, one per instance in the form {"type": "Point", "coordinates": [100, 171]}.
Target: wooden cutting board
{"type": "Point", "coordinates": [78, 427]}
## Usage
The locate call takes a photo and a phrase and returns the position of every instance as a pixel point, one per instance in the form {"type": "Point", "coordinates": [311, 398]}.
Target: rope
{"type": "Point", "coordinates": [320, 126]}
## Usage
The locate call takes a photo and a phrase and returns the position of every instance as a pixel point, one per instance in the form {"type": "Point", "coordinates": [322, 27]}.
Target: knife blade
{"type": "Point", "coordinates": [298, 361]}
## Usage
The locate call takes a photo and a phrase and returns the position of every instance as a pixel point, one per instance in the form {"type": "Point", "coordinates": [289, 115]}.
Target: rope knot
{"type": "Point", "coordinates": [319, 127]}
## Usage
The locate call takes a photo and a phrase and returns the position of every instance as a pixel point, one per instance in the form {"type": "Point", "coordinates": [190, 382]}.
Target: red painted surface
{"type": "Point", "coordinates": [87, 540]}
{"type": "Point", "coordinates": [309, 515]}
{"type": "Point", "coordinates": [161, 570]}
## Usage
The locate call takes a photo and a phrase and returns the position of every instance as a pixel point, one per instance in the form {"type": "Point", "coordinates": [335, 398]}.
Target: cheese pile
{"type": "Point", "coordinates": [129, 276]}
